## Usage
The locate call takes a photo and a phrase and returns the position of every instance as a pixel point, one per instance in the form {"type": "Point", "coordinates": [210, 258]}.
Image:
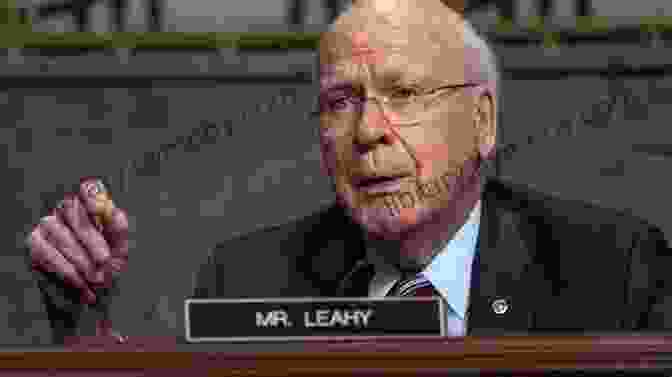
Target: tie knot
{"type": "Point", "coordinates": [413, 286]}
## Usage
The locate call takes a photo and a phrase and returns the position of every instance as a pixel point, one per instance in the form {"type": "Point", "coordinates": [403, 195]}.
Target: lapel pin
{"type": "Point", "coordinates": [500, 306]}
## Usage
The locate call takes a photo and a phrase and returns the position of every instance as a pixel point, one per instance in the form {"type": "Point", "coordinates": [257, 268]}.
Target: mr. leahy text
{"type": "Point", "coordinates": [312, 318]}
{"type": "Point", "coordinates": [317, 318]}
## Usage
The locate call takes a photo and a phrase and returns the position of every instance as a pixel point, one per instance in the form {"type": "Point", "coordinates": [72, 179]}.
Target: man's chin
{"type": "Point", "coordinates": [384, 223]}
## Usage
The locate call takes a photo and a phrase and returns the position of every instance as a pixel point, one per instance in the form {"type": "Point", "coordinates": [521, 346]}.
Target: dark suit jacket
{"type": "Point", "coordinates": [561, 265]}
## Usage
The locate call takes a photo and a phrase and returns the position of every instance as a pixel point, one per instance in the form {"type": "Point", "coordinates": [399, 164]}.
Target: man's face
{"type": "Point", "coordinates": [393, 177]}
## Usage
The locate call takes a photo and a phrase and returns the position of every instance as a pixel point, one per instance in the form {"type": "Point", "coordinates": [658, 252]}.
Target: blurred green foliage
{"type": "Point", "coordinates": [20, 36]}
{"type": "Point", "coordinates": [13, 34]}
{"type": "Point", "coordinates": [8, 13]}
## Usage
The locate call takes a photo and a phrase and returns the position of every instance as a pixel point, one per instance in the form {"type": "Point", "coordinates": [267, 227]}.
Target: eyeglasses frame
{"type": "Point", "coordinates": [383, 100]}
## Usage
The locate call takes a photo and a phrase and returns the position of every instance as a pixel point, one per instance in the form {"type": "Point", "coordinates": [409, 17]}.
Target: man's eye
{"type": "Point", "coordinates": [338, 103]}
{"type": "Point", "coordinates": [404, 93]}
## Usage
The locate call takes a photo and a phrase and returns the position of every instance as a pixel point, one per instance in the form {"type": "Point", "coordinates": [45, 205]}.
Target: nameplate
{"type": "Point", "coordinates": [226, 320]}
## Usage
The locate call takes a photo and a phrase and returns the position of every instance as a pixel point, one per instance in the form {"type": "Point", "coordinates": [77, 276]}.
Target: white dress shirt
{"type": "Point", "coordinates": [449, 272]}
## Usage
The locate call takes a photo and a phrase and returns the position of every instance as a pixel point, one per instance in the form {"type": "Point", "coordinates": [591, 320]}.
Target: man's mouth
{"type": "Point", "coordinates": [379, 184]}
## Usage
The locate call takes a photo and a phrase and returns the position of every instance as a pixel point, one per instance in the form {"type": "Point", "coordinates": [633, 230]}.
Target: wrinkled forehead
{"type": "Point", "coordinates": [349, 56]}
{"type": "Point", "coordinates": [417, 44]}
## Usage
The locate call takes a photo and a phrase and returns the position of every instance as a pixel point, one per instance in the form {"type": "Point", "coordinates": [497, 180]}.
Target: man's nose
{"type": "Point", "coordinates": [373, 126]}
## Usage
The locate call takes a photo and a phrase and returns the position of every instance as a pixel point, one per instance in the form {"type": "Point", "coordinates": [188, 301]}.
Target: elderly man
{"type": "Point", "coordinates": [408, 118]}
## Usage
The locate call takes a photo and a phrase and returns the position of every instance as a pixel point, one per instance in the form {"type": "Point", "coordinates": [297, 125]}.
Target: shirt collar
{"type": "Point", "coordinates": [450, 270]}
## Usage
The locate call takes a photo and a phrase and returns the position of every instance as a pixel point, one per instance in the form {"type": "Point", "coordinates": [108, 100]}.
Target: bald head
{"type": "Point", "coordinates": [390, 23]}
{"type": "Point", "coordinates": [401, 8]}
{"type": "Point", "coordinates": [433, 29]}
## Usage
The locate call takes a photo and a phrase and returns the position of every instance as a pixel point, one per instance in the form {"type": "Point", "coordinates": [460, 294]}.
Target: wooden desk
{"type": "Point", "coordinates": [512, 355]}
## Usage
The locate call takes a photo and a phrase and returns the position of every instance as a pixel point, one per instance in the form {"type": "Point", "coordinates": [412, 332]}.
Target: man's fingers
{"type": "Point", "coordinates": [77, 218]}
{"type": "Point", "coordinates": [54, 230]}
{"type": "Point", "coordinates": [116, 232]}
{"type": "Point", "coordinates": [46, 257]}
{"type": "Point", "coordinates": [114, 220]}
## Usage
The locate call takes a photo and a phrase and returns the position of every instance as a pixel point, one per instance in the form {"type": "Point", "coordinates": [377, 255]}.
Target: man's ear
{"type": "Point", "coordinates": [485, 121]}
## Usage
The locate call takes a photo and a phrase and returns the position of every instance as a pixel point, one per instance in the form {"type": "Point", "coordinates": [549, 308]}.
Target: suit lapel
{"type": "Point", "coordinates": [503, 276]}
{"type": "Point", "coordinates": [356, 282]}
{"type": "Point", "coordinates": [336, 253]}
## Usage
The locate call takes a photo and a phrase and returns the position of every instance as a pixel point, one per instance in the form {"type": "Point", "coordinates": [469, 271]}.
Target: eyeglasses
{"type": "Point", "coordinates": [403, 107]}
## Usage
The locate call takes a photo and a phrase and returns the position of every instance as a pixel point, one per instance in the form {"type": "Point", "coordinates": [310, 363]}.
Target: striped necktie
{"type": "Point", "coordinates": [415, 286]}
{"type": "Point", "coordinates": [419, 286]}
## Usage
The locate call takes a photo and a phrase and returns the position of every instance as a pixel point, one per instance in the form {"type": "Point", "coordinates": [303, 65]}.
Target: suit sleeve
{"type": "Point", "coordinates": [652, 261]}
{"type": "Point", "coordinates": [67, 316]}
{"type": "Point", "coordinates": [64, 310]}
{"type": "Point", "coordinates": [206, 278]}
